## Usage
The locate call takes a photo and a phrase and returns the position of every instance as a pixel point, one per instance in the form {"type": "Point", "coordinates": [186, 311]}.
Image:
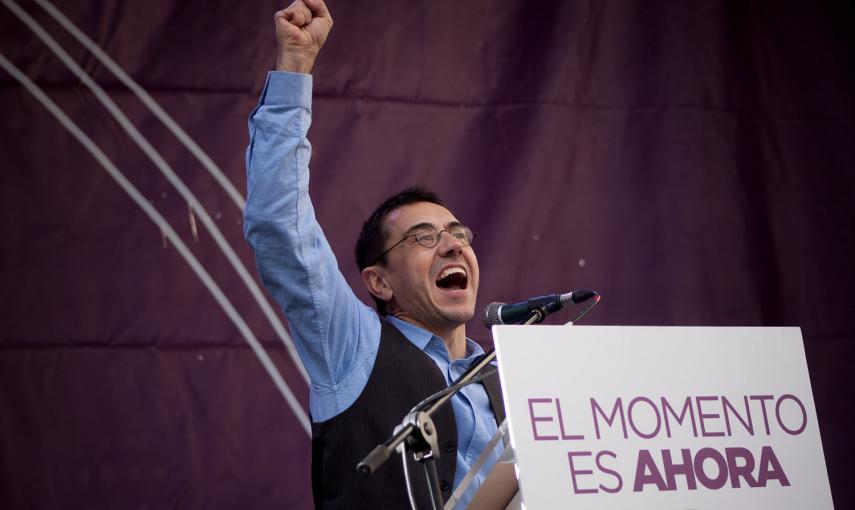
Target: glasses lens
{"type": "Point", "coordinates": [463, 234]}
{"type": "Point", "coordinates": [427, 237]}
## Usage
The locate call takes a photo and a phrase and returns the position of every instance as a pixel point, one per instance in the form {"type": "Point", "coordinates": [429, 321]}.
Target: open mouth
{"type": "Point", "coordinates": [452, 278]}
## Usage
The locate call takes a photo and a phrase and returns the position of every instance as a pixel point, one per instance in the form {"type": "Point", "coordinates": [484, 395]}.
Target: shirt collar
{"type": "Point", "coordinates": [420, 337]}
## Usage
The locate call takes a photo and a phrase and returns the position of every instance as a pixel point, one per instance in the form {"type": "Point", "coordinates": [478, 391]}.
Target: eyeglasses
{"type": "Point", "coordinates": [429, 237]}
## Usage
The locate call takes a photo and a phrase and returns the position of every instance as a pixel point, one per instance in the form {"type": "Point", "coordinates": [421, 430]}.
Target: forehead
{"type": "Point", "coordinates": [405, 217]}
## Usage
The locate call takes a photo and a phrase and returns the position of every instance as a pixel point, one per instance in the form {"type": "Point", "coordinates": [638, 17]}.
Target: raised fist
{"type": "Point", "coordinates": [301, 30]}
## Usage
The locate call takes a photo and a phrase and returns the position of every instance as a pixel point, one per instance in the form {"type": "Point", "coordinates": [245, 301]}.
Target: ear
{"type": "Point", "coordinates": [377, 284]}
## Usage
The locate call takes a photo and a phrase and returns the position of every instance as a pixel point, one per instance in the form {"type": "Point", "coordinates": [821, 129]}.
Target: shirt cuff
{"type": "Point", "coordinates": [288, 89]}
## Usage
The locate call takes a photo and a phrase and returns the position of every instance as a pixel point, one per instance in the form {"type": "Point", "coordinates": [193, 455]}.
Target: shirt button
{"type": "Point", "coordinates": [449, 446]}
{"type": "Point", "coordinates": [443, 485]}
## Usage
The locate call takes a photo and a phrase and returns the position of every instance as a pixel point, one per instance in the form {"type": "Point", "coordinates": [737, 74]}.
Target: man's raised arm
{"type": "Point", "coordinates": [294, 259]}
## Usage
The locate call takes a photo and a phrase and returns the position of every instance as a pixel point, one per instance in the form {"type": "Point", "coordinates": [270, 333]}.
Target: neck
{"type": "Point", "coordinates": [453, 336]}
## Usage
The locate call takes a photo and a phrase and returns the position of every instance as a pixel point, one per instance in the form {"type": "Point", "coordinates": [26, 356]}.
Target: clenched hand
{"type": "Point", "coordinates": [301, 30]}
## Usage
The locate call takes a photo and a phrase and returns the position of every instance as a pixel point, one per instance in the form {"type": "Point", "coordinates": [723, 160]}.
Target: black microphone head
{"type": "Point", "coordinates": [582, 295]}
{"type": "Point", "coordinates": [491, 315]}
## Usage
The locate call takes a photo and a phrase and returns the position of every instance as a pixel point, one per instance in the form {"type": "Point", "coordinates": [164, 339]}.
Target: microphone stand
{"type": "Point", "coordinates": [418, 433]}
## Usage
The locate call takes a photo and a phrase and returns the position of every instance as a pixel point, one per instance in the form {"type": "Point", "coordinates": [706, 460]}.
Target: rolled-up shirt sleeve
{"type": "Point", "coordinates": [336, 335]}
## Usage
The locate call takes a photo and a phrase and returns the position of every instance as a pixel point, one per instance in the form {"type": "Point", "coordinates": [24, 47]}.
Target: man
{"type": "Point", "coordinates": [416, 260]}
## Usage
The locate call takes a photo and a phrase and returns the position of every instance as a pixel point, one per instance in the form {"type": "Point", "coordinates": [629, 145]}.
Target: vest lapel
{"type": "Point", "coordinates": [494, 392]}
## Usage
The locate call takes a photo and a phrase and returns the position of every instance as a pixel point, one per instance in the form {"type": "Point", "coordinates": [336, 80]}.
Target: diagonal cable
{"type": "Point", "coordinates": [148, 101]}
{"type": "Point", "coordinates": [166, 228]}
{"type": "Point", "coordinates": [170, 175]}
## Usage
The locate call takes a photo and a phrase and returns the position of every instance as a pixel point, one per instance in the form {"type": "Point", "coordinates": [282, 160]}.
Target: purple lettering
{"type": "Point", "coordinates": [793, 432]}
{"type": "Point", "coordinates": [763, 399]}
{"type": "Point", "coordinates": [535, 419]}
{"type": "Point", "coordinates": [737, 463]}
{"type": "Point", "coordinates": [747, 425]}
{"type": "Point", "coordinates": [655, 412]}
{"type": "Point", "coordinates": [672, 470]}
{"type": "Point", "coordinates": [574, 472]}
{"type": "Point", "coordinates": [736, 470]}
{"type": "Point", "coordinates": [687, 408]}
{"type": "Point", "coordinates": [770, 468]}
{"type": "Point", "coordinates": [646, 473]}
{"type": "Point", "coordinates": [702, 415]}
{"type": "Point", "coordinates": [561, 423]}
{"type": "Point", "coordinates": [618, 408]}
{"type": "Point", "coordinates": [606, 470]}
{"type": "Point", "coordinates": [708, 482]}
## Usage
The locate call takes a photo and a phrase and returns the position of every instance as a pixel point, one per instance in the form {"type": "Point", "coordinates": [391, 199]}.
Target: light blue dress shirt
{"type": "Point", "coordinates": [337, 336]}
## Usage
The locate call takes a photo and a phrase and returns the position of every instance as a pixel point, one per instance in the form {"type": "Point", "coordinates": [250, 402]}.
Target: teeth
{"type": "Point", "coordinates": [450, 271]}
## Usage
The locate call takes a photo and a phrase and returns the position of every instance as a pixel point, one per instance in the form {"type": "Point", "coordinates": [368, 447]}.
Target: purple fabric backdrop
{"type": "Point", "coordinates": [692, 161]}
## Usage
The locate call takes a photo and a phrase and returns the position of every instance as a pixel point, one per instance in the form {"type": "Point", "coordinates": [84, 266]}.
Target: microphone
{"type": "Point", "coordinates": [515, 313]}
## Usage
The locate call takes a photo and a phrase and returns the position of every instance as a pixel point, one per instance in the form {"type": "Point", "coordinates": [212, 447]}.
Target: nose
{"type": "Point", "coordinates": [448, 244]}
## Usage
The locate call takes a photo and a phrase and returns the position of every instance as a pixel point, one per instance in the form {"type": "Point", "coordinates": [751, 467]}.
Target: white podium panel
{"type": "Point", "coordinates": [662, 417]}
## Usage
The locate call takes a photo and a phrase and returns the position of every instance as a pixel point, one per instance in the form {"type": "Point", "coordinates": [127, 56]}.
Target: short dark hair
{"type": "Point", "coordinates": [372, 238]}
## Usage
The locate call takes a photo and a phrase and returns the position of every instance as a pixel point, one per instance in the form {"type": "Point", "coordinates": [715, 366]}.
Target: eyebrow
{"type": "Point", "coordinates": [450, 224]}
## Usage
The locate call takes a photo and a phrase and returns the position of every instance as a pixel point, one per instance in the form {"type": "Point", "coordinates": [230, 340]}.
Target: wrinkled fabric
{"type": "Point", "coordinates": [691, 161]}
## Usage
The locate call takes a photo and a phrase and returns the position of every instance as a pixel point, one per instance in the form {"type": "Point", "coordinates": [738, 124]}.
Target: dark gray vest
{"type": "Point", "coordinates": [401, 377]}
